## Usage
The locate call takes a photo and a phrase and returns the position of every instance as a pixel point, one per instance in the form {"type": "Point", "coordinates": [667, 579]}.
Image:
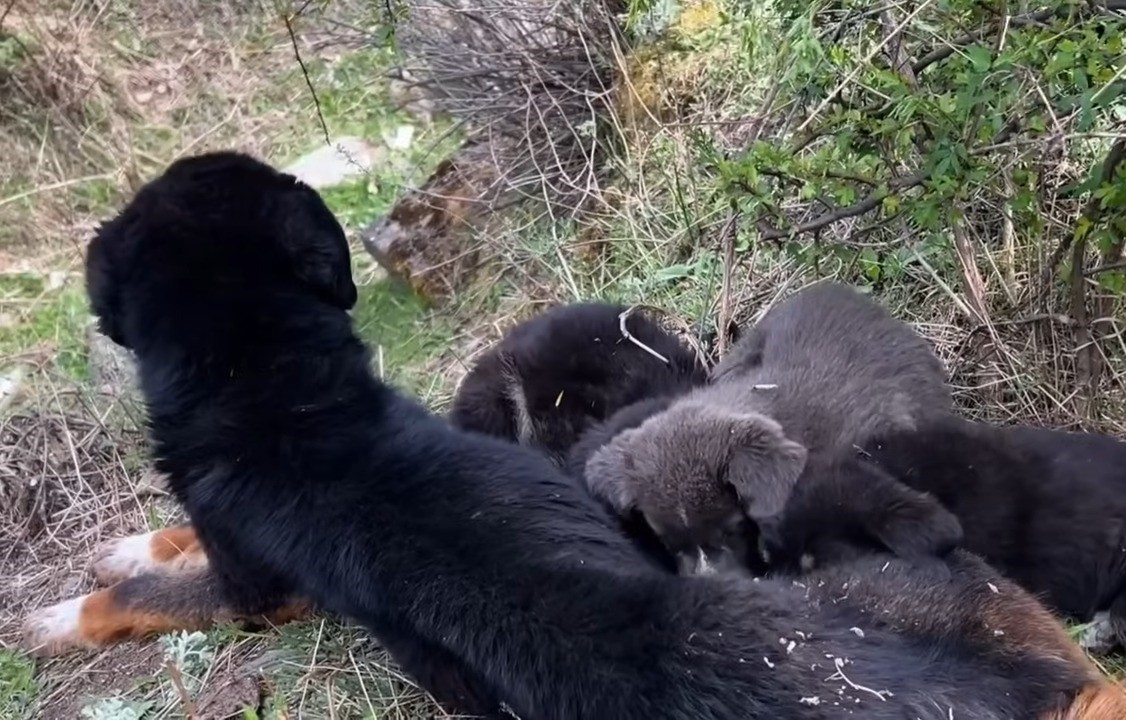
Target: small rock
{"type": "Point", "coordinates": [11, 385]}
{"type": "Point", "coordinates": [56, 279]}
{"type": "Point", "coordinates": [401, 139]}
{"type": "Point", "coordinates": [330, 165]}
{"type": "Point", "coordinates": [112, 367]}
{"type": "Point", "coordinates": [232, 698]}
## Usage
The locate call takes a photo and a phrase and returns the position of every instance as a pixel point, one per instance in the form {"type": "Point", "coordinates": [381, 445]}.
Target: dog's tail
{"type": "Point", "coordinates": [1100, 700]}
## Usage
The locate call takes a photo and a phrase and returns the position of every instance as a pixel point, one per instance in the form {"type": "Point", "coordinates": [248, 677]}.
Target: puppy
{"type": "Point", "coordinates": [493, 578]}
{"type": "Point", "coordinates": [694, 472]}
{"type": "Point", "coordinates": [555, 375]}
{"type": "Point", "coordinates": [1047, 508]}
{"type": "Point", "coordinates": [823, 370]}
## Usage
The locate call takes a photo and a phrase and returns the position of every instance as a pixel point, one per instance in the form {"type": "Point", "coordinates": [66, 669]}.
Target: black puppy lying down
{"type": "Point", "coordinates": [490, 576]}
{"type": "Point", "coordinates": [553, 376]}
{"type": "Point", "coordinates": [1045, 507]}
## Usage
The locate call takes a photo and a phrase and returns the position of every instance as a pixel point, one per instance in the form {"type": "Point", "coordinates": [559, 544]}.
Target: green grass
{"type": "Point", "coordinates": [40, 320]}
{"type": "Point", "coordinates": [18, 688]}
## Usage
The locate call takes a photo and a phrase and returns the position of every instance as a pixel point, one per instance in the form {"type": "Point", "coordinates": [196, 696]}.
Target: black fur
{"type": "Point", "coordinates": [839, 367]}
{"type": "Point", "coordinates": [844, 508]}
{"type": "Point", "coordinates": [491, 576]}
{"type": "Point", "coordinates": [555, 375]}
{"type": "Point", "coordinates": [1045, 507]}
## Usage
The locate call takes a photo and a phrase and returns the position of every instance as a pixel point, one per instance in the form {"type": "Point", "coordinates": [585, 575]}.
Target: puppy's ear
{"type": "Point", "coordinates": [316, 245]}
{"type": "Point", "coordinates": [764, 465]}
{"type": "Point", "coordinates": [911, 524]}
{"type": "Point", "coordinates": [609, 472]}
{"type": "Point", "coordinates": [101, 283]}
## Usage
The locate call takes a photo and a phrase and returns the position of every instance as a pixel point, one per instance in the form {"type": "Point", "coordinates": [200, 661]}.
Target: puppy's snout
{"type": "Point", "coordinates": [693, 562]}
{"type": "Point", "coordinates": [708, 562]}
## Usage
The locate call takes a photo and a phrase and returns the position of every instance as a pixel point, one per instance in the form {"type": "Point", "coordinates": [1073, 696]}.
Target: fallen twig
{"type": "Point", "coordinates": [622, 318]}
{"type": "Point", "coordinates": [186, 703]}
{"type": "Point", "coordinates": [730, 231]}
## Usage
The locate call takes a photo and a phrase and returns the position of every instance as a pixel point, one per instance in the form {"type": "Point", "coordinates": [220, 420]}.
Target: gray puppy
{"type": "Point", "coordinates": [824, 370]}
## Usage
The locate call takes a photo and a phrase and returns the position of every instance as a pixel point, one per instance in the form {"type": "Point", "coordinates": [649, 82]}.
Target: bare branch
{"type": "Point", "coordinates": [729, 234]}
{"type": "Point", "coordinates": [871, 202]}
{"type": "Point", "coordinates": [305, 73]}
{"type": "Point", "coordinates": [953, 46]}
{"type": "Point", "coordinates": [1109, 267]}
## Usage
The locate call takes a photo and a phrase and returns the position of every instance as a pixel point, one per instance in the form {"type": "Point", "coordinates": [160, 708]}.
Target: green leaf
{"type": "Point", "coordinates": [980, 56]}
{"type": "Point", "coordinates": [1114, 281]}
{"type": "Point", "coordinates": [673, 272]}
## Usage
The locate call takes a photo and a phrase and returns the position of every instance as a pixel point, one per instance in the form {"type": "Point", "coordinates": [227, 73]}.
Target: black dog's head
{"type": "Point", "coordinates": [843, 510]}
{"type": "Point", "coordinates": [214, 227]}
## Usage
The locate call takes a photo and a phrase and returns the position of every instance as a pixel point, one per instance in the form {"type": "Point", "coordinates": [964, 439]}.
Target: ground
{"type": "Point", "coordinates": [99, 98]}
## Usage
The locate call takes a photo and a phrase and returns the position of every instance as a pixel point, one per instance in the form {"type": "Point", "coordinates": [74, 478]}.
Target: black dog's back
{"type": "Point", "coordinates": [555, 375]}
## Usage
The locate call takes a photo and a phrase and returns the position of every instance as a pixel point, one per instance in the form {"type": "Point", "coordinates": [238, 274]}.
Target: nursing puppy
{"type": "Point", "coordinates": [555, 375]}
{"type": "Point", "coordinates": [1045, 507]}
{"type": "Point", "coordinates": [492, 578]}
{"type": "Point", "coordinates": [824, 370]}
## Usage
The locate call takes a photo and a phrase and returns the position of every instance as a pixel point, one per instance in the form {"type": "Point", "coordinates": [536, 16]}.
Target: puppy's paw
{"type": "Point", "coordinates": [55, 629]}
{"type": "Point", "coordinates": [1099, 637]}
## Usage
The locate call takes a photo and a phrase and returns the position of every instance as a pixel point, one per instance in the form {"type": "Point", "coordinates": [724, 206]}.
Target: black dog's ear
{"type": "Point", "coordinates": [101, 284]}
{"type": "Point", "coordinates": [911, 524]}
{"type": "Point", "coordinates": [316, 245]}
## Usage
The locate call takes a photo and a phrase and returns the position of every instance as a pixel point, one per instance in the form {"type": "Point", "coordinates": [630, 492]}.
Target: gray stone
{"type": "Point", "coordinates": [112, 367]}
{"type": "Point", "coordinates": [345, 159]}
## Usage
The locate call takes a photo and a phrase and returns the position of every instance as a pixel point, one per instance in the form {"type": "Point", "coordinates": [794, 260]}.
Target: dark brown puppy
{"type": "Point", "coordinates": [1045, 507]}
{"type": "Point", "coordinates": [825, 369]}
{"type": "Point", "coordinates": [557, 374]}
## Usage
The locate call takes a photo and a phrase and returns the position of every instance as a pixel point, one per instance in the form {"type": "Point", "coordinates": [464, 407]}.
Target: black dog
{"type": "Point", "coordinates": [557, 374]}
{"type": "Point", "coordinates": [493, 578]}
{"type": "Point", "coordinates": [1047, 508]}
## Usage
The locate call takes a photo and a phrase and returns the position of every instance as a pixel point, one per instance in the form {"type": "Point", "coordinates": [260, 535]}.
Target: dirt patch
{"type": "Point", "coordinates": [76, 680]}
